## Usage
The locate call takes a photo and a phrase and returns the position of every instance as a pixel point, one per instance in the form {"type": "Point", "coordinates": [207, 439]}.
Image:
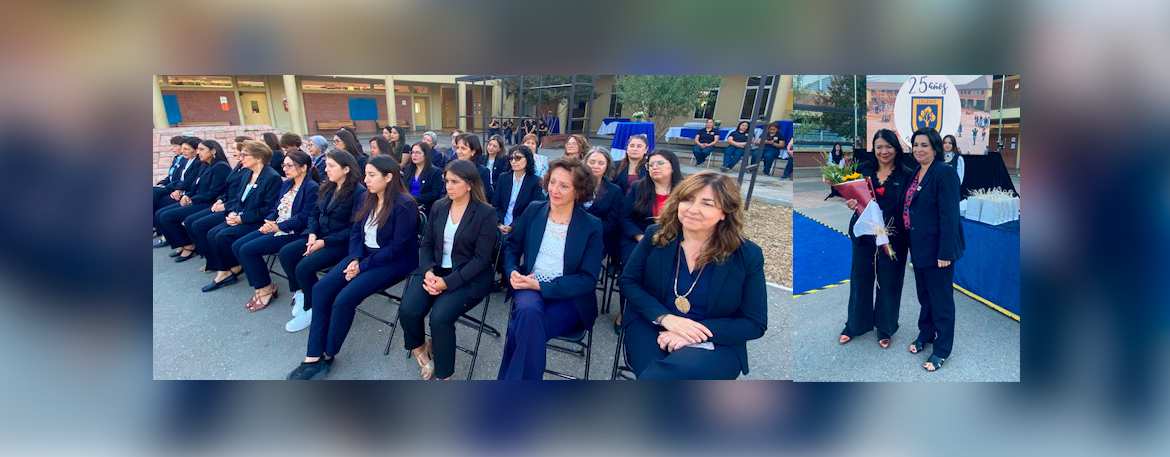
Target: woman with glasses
{"type": "Point", "coordinates": [644, 202]}
{"type": "Point", "coordinates": [518, 188]}
{"type": "Point", "coordinates": [424, 180]}
{"type": "Point", "coordinates": [606, 203]}
{"type": "Point", "coordinates": [344, 140]}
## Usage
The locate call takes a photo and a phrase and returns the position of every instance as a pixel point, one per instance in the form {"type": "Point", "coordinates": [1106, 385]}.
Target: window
{"type": "Point", "coordinates": [402, 89]}
{"type": "Point", "coordinates": [250, 81]}
{"type": "Point", "coordinates": [337, 86]}
{"type": "Point", "coordinates": [422, 89]}
{"type": "Point", "coordinates": [200, 81]}
{"type": "Point", "coordinates": [706, 109]}
{"type": "Point", "coordinates": [749, 97]}
{"type": "Point", "coordinates": [615, 107]}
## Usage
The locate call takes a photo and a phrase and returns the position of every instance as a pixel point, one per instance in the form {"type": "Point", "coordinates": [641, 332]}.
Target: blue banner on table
{"type": "Point", "coordinates": [625, 130]}
{"type": "Point", "coordinates": [990, 267]}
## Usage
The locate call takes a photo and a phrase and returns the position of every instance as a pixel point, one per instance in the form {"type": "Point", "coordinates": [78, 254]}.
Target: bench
{"type": "Point", "coordinates": [381, 123]}
{"type": "Point", "coordinates": [333, 126]}
{"type": "Point", "coordinates": [203, 123]}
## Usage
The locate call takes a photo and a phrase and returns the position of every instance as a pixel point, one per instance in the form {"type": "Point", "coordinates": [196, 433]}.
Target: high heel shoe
{"type": "Point", "coordinates": [259, 305]}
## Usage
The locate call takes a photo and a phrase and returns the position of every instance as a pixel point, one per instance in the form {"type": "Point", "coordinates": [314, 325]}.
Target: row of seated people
{"type": "Point", "coordinates": [552, 256]}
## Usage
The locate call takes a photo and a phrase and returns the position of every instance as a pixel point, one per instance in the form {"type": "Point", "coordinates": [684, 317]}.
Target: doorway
{"type": "Point", "coordinates": [421, 121]}
{"type": "Point", "coordinates": [255, 106]}
{"type": "Point", "coordinates": [450, 108]}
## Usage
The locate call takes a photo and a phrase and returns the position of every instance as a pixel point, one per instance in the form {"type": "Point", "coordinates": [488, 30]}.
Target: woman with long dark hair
{"type": "Point", "coordinates": [330, 221]}
{"type": "Point", "coordinates": [930, 215]}
{"type": "Point", "coordinates": [383, 249]}
{"type": "Point", "coordinates": [285, 224]}
{"type": "Point", "coordinates": [518, 188]}
{"type": "Point", "coordinates": [467, 147]}
{"type": "Point", "coordinates": [201, 223]}
{"type": "Point", "coordinates": [953, 156]}
{"type": "Point", "coordinates": [424, 180]}
{"type": "Point", "coordinates": [737, 143]}
{"type": "Point", "coordinates": [632, 167]}
{"type": "Point", "coordinates": [345, 140]}
{"type": "Point", "coordinates": [454, 271]}
{"type": "Point", "coordinates": [646, 196]}
{"type": "Point", "coordinates": [495, 158]}
{"type": "Point", "coordinates": [277, 160]}
{"type": "Point", "coordinates": [837, 157]}
{"type": "Point", "coordinates": [397, 137]}
{"type": "Point", "coordinates": [865, 310]}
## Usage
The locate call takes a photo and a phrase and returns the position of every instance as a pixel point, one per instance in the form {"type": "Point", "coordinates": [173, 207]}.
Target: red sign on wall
{"type": "Point", "coordinates": [223, 104]}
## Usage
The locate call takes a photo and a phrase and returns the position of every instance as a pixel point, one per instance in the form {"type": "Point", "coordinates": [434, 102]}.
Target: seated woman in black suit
{"type": "Point", "coordinates": [889, 177]}
{"type": "Point", "coordinates": [399, 148]}
{"type": "Point", "coordinates": [454, 271]}
{"type": "Point", "coordinates": [199, 224]}
{"type": "Point", "coordinates": [330, 221]}
{"type": "Point", "coordinates": [161, 188]}
{"type": "Point", "coordinates": [643, 202]}
{"type": "Point", "coordinates": [495, 158]}
{"type": "Point", "coordinates": [467, 147]}
{"type": "Point", "coordinates": [554, 286]}
{"type": "Point", "coordinates": [207, 186]}
{"type": "Point", "coordinates": [632, 167]}
{"type": "Point", "coordinates": [607, 201]}
{"type": "Point", "coordinates": [518, 188]}
{"type": "Point", "coordinates": [383, 249]}
{"type": "Point", "coordinates": [258, 198]}
{"type": "Point", "coordinates": [345, 140]}
{"type": "Point", "coordinates": [930, 215]}
{"type": "Point", "coordinates": [173, 191]}
{"type": "Point", "coordinates": [276, 162]}
{"type": "Point", "coordinates": [424, 180]}
{"type": "Point", "coordinates": [286, 223]}
{"type": "Point", "coordinates": [695, 287]}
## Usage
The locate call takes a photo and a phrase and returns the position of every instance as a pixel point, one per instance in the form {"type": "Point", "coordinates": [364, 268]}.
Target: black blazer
{"type": "Point", "coordinates": [935, 230]}
{"type": "Point", "coordinates": [277, 162]}
{"type": "Point", "coordinates": [499, 167]}
{"type": "Point", "coordinates": [529, 192]}
{"type": "Point", "coordinates": [430, 186]}
{"type": "Point", "coordinates": [187, 177]}
{"type": "Point", "coordinates": [331, 220]}
{"type": "Point", "coordinates": [583, 248]}
{"type": "Point", "coordinates": [737, 304]}
{"type": "Point", "coordinates": [235, 182]}
{"type": "Point", "coordinates": [398, 238]}
{"type": "Point", "coordinates": [485, 176]}
{"type": "Point", "coordinates": [319, 164]}
{"type": "Point", "coordinates": [211, 182]}
{"type": "Point", "coordinates": [175, 172]}
{"type": "Point", "coordinates": [471, 253]}
{"type": "Point", "coordinates": [634, 220]}
{"type": "Point", "coordinates": [890, 201]}
{"type": "Point", "coordinates": [302, 205]}
{"type": "Point", "coordinates": [262, 198]}
{"type": "Point", "coordinates": [619, 179]}
{"type": "Point", "coordinates": [608, 208]}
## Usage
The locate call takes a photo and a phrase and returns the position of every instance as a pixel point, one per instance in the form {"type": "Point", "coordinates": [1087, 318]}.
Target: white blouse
{"type": "Point", "coordinates": [550, 260]}
{"type": "Point", "coordinates": [448, 241]}
{"type": "Point", "coordinates": [372, 231]}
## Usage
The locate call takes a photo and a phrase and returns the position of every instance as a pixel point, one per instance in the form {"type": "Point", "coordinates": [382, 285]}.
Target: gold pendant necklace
{"type": "Point", "coordinates": [680, 301]}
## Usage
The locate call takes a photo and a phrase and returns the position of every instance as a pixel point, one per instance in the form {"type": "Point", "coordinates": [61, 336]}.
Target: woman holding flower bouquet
{"type": "Point", "coordinates": [930, 214]}
{"type": "Point", "coordinates": [888, 176]}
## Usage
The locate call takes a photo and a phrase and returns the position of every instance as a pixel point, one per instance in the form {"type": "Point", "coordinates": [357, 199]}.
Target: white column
{"type": "Point", "coordinates": [295, 115]}
{"type": "Point", "coordinates": [461, 102]}
{"type": "Point", "coordinates": [497, 93]}
{"type": "Point", "coordinates": [781, 110]}
{"type": "Point", "coordinates": [391, 107]}
{"type": "Point", "coordinates": [160, 109]}
{"type": "Point", "coordinates": [239, 105]}
{"type": "Point", "coordinates": [563, 113]}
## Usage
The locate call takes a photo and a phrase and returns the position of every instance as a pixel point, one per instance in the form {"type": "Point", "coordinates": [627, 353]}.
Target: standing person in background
{"type": "Point", "coordinates": [837, 157]}
{"type": "Point", "coordinates": [953, 157]}
{"type": "Point", "coordinates": [705, 143]}
{"type": "Point", "coordinates": [787, 155]}
{"type": "Point", "coordinates": [930, 215]}
{"type": "Point", "coordinates": [494, 127]}
{"type": "Point", "coordinates": [509, 126]}
{"type": "Point", "coordinates": [541, 131]}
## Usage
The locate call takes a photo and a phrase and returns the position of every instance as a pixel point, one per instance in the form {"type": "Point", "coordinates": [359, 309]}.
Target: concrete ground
{"type": "Point", "coordinates": [211, 336]}
{"type": "Point", "coordinates": [987, 343]}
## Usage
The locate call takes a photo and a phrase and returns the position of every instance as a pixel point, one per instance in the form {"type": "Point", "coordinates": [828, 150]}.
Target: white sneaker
{"type": "Point", "coordinates": [298, 306]}
{"type": "Point", "coordinates": [300, 322]}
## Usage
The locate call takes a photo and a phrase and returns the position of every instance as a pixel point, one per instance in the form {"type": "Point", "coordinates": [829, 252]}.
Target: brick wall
{"type": "Point", "coordinates": [203, 106]}
{"type": "Point", "coordinates": [162, 155]}
{"type": "Point", "coordinates": [335, 107]}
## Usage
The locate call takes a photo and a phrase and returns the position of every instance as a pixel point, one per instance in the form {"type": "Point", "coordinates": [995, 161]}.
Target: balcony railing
{"type": "Point", "coordinates": [1010, 100]}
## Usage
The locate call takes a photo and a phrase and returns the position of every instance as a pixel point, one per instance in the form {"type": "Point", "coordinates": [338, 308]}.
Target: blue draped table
{"type": "Point", "coordinates": [609, 124]}
{"type": "Point", "coordinates": [623, 132]}
{"type": "Point", "coordinates": [990, 267]}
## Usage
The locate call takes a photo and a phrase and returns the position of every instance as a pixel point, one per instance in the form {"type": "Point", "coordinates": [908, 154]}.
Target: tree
{"type": "Point", "coordinates": [806, 122]}
{"type": "Point", "coordinates": [663, 97]}
{"type": "Point", "coordinates": [840, 94]}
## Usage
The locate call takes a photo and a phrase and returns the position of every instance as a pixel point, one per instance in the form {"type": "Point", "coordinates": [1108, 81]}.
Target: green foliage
{"type": "Point", "coordinates": [548, 96]}
{"type": "Point", "coordinates": [663, 97]}
{"type": "Point", "coordinates": [840, 94]}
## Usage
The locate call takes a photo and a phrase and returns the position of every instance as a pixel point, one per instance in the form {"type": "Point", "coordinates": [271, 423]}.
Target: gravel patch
{"type": "Point", "coordinates": [770, 227]}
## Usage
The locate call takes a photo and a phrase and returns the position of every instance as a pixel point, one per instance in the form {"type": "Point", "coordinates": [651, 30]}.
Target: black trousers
{"type": "Point", "coordinates": [162, 199]}
{"type": "Point", "coordinates": [936, 320]}
{"type": "Point", "coordinates": [444, 309]}
{"type": "Point", "coordinates": [650, 362]}
{"type": "Point", "coordinates": [219, 253]}
{"type": "Point", "coordinates": [199, 225]}
{"type": "Point", "coordinates": [869, 308]}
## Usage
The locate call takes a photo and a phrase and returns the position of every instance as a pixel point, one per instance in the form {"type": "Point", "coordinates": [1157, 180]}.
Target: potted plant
{"type": "Point", "coordinates": [638, 116]}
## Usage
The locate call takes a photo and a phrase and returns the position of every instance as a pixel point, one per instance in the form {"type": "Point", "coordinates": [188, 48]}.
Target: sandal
{"type": "Point", "coordinates": [427, 369]}
{"type": "Point", "coordinates": [259, 305]}
{"type": "Point", "coordinates": [884, 343]}
{"type": "Point", "coordinates": [844, 339]}
{"type": "Point", "coordinates": [252, 301]}
{"type": "Point", "coordinates": [935, 361]}
{"type": "Point", "coordinates": [917, 346]}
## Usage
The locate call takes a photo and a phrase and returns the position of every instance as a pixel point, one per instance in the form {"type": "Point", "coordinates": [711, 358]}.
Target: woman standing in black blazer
{"type": "Point", "coordinates": [695, 287]}
{"type": "Point", "coordinates": [383, 249]}
{"type": "Point", "coordinates": [495, 158]}
{"type": "Point", "coordinates": [554, 287]}
{"type": "Point", "coordinates": [889, 177]}
{"type": "Point", "coordinates": [931, 216]}
{"type": "Point", "coordinates": [211, 181]}
{"type": "Point", "coordinates": [424, 180]}
{"type": "Point", "coordinates": [329, 225]}
{"type": "Point", "coordinates": [258, 197]}
{"type": "Point", "coordinates": [607, 200]}
{"type": "Point", "coordinates": [286, 223]}
{"type": "Point", "coordinates": [467, 147]}
{"type": "Point", "coordinates": [454, 270]}
{"type": "Point", "coordinates": [518, 188]}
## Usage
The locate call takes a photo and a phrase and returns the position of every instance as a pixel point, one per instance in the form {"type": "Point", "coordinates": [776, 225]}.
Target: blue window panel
{"type": "Point", "coordinates": [363, 109]}
{"type": "Point", "coordinates": [171, 103]}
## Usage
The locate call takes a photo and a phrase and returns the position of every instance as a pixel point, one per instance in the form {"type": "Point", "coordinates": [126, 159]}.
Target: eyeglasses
{"type": "Point", "coordinates": [658, 164]}
{"type": "Point", "coordinates": [515, 158]}
{"type": "Point", "coordinates": [287, 166]}
{"type": "Point", "coordinates": [337, 141]}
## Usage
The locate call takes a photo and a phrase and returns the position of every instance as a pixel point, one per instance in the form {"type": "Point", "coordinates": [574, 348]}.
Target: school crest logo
{"type": "Point", "coordinates": [927, 112]}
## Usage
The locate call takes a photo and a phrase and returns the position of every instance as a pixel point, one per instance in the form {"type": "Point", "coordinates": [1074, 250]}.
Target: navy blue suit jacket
{"type": "Point", "coordinates": [235, 182]}
{"type": "Point", "coordinates": [471, 253]}
{"type": "Point", "coordinates": [187, 178]}
{"type": "Point", "coordinates": [210, 183]}
{"type": "Point", "coordinates": [583, 248]}
{"type": "Point", "coordinates": [499, 167]}
{"type": "Point", "coordinates": [935, 230]}
{"type": "Point", "coordinates": [173, 173]}
{"type": "Point", "coordinates": [619, 179]}
{"type": "Point", "coordinates": [634, 220]}
{"type": "Point", "coordinates": [485, 176]}
{"type": "Point", "coordinates": [302, 205]}
{"type": "Point", "coordinates": [737, 303]}
{"type": "Point", "coordinates": [398, 238]}
{"type": "Point", "coordinates": [430, 186]}
{"type": "Point", "coordinates": [331, 221]}
{"type": "Point", "coordinates": [529, 192]}
{"type": "Point", "coordinates": [608, 208]}
{"type": "Point", "coordinates": [262, 198]}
